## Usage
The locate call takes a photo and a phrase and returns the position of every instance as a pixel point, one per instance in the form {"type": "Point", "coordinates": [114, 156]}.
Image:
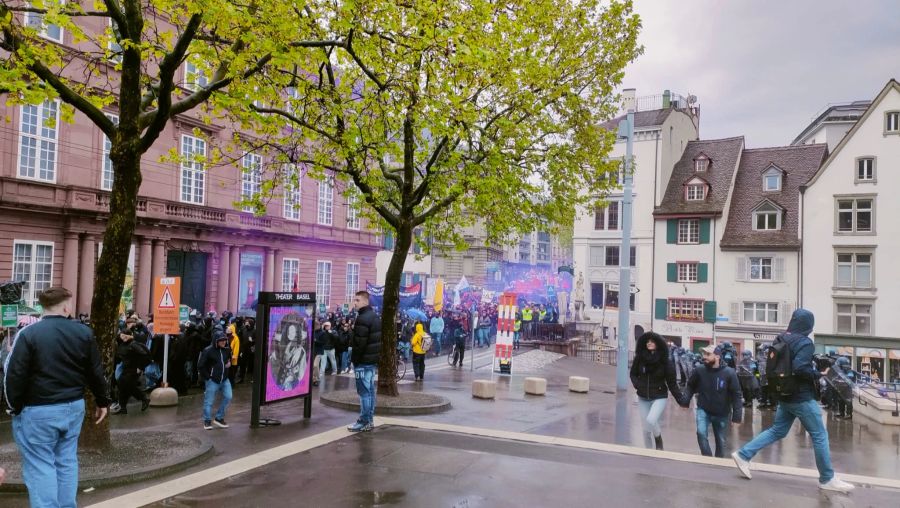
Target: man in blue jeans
{"type": "Point", "coordinates": [213, 367]}
{"type": "Point", "coordinates": [799, 404]}
{"type": "Point", "coordinates": [366, 344]}
{"type": "Point", "coordinates": [718, 399]}
{"type": "Point", "coordinates": [436, 327]}
{"type": "Point", "coordinates": [51, 362]}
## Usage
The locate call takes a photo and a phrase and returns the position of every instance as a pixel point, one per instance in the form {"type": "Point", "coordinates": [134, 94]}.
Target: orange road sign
{"type": "Point", "coordinates": [166, 294]}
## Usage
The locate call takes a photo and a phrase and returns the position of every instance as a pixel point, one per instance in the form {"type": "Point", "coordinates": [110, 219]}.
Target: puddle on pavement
{"type": "Point", "coordinates": [376, 498]}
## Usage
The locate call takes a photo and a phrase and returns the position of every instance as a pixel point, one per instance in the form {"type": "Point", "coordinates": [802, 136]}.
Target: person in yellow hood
{"type": "Point", "coordinates": [418, 341]}
{"type": "Point", "coordinates": [235, 343]}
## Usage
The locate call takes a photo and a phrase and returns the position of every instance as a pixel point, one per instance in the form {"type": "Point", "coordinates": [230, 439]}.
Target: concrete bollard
{"type": "Point", "coordinates": [579, 384]}
{"type": "Point", "coordinates": [163, 397]}
{"type": "Point", "coordinates": [484, 389]}
{"type": "Point", "coordinates": [535, 386]}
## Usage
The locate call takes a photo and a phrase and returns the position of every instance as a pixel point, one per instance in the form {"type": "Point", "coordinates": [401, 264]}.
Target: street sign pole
{"type": "Point", "coordinates": [622, 377]}
{"type": "Point", "coordinates": [165, 381]}
{"type": "Point", "coordinates": [166, 321]}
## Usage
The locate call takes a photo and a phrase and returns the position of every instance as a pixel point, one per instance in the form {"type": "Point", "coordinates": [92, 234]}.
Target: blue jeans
{"type": "Point", "coordinates": [323, 363]}
{"type": "Point", "coordinates": [345, 358]}
{"type": "Point", "coordinates": [365, 387]}
{"type": "Point", "coordinates": [719, 424]}
{"type": "Point", "coordinates": [47, 437]}
{"type": "Point", "coordinates": [436, 342]}
{"type": "Point", "coordinates": [810, 416]}
{"type": "Point", "coordinates": [209, 396]}
{"type": "Point", "coordinates": [404, 348]}
{"type": "Point", "coordinates": [651, 411]}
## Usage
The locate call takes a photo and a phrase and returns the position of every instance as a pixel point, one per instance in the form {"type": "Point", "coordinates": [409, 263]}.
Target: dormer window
{"type": "Point", "coordinates": [701, 163]}
{"type": "Point", "coordinates": [696, 189]}
{"type": "Point", "coordinates": [767, 217]}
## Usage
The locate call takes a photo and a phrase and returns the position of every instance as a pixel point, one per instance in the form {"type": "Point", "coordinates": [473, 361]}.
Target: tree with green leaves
{"type": "Point", "coordinates": [123, 57]}
{"type": "Point", "coordinates": [439, 112]}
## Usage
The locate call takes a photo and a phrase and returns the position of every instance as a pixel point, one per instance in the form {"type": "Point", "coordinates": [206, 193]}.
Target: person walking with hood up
{"type": "Point", "coordinates": [653, 377]}
{"type": "Point", "coordinates": [796, 401]}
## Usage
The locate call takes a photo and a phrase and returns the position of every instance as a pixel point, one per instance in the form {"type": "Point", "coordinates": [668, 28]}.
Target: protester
{"type": "Point", "coordinates": [718, 398]}
{"type": "Point", "coordinates": [366, 344]}
{"type": "Point", "coordinates": [133, 357]}
{"type": "Point", "coordinates": [328, 340]}
{"type": "Point", "coordinates": [436, 328]}
{"type": "Point", "coordinates": [418, 341]}
{"type": "Point", "coordinates": [797, 403]}
{"type": "Point", "coordinates": [50, 364]}
{"type": "Point", "coordinates": [651, 373]}
{"type": "Point", "coordinates": [458, 336]}
{"type": "Point", "coordinates": [213, 366]}
{"type": "Point", "coordinates": [747, 371]}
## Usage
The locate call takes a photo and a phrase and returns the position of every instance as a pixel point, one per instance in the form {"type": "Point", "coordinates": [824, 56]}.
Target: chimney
{"type": "Point", "coordinates": [628, 99]}
{"type": "Point", "coordinates": [667, 99]}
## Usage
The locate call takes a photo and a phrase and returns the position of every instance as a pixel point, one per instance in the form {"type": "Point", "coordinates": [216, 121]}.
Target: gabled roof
{"type": "Point", "coordinates": [772, 166]}
{"type": "Point", "coordinates": [891, 85]}
{"type": "Point", "coordinates": [766, 201]}
{"type": "Point", "coordinates": [724, 154]}
{"type": "Point", "coordinates": [693, 177]}
{"type": "Point", "coordinates": [642, 119]}
{"type": "Point", "coordinates": [799, 163]}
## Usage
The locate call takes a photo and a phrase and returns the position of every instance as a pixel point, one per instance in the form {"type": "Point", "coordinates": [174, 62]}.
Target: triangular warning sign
{"type": "Point", "coordinates": [167, 301]}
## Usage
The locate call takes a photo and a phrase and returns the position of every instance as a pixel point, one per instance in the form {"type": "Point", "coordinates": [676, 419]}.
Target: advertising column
{"type": "Point", "coordinates": [506, 318]}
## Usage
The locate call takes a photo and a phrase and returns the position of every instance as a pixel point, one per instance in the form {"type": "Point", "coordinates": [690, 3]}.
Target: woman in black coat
{"type": "Point", "coordinates": [653, 377]}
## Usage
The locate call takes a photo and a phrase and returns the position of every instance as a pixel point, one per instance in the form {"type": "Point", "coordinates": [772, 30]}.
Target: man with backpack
{"type": "Point", "coordinates": [792, 376]}
{"type": "Point", "coordinates": [134, 358]}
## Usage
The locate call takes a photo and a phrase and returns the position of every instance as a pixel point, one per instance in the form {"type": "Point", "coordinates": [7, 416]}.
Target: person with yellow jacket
{"type": "Point", "coordinates": [235, 343]}
{"type": "Point", "coordinates": [418, 340]}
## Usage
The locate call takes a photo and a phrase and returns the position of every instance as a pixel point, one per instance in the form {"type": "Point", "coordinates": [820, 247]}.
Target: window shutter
{"type": "Point", "coordinates": [704, 230]}
{"type": "Point", "coordinates": [672, 231]}
{"type": "Point", "coordinates": [786, 311]}
{"type": "Point", "coordinates": [735, 312]}
{"type": "Point", "coordinates": [662, 308]}
{"type": "Point", "coordinates": [672, 272]}
{"type": "Point", "coordinates": [778, 275]}
{"type": "Point", "coordinates": [709, 311]}
{"type": "Point", "coordinates": [702, 272]}
{"type": "Point", "coordinates": [741, 272]}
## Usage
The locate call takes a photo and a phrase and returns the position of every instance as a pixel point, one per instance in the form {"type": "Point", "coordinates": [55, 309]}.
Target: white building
{"type": "Point", "coordinates": [664, 125]}
{"type": "Point", "coordinates": [832, 124]}
{"type": "Point", "coordinates": [851, 242]}
{"type": "Point", "coordinates": [416, 268]}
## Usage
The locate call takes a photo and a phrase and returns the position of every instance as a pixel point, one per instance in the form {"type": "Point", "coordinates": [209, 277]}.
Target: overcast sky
{"type": "Point", "coordinates": [765, 68]}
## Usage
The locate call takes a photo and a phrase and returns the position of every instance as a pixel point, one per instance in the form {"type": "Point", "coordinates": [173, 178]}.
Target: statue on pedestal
{"type": "Point", "coordinates": [579, 299]}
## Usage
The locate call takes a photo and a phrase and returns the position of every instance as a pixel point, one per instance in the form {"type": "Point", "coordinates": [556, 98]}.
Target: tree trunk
{"type": "Point", "coordinates": [387, 366]}
{"type": "Point", "coordinates": [110, 274]}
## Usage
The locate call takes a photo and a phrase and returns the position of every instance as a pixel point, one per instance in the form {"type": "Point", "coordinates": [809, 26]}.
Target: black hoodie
{"type": "Point", "coordinates": [652, 372]}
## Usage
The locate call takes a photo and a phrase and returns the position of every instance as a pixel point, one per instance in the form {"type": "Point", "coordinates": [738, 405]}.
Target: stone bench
{"type": "Point", "coordinates": [484, 389]}
{"type": "Point", "coordinates": [579, 384]}
{"type": "Point", "coordinates": [535, 386]}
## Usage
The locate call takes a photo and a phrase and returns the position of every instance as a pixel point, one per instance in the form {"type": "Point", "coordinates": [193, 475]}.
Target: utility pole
{"type": "Point", "coordinates": [626, 130]}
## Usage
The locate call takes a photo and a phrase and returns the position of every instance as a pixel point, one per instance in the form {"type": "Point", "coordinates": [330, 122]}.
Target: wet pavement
{"type": "Point", "coordinates": [859, 446]}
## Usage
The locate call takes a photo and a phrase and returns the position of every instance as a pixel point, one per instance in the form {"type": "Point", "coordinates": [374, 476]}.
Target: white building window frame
{"type": "Point", "coordinates": [192, 184]}
{"type": "Point", "coordinates": [850, 315]}
{"type": "Point", "coordinates": [326, 202]}
{"type": "Point", "coordinates": [251, 177]}
{"type": "Point", "coordinates": [891, 122]}
{"type": "Point", "coordinates": [701, 163]}
{"type": "Point", "coordinates": [289, 268]}
{"type": "Point", "coordinates": [695, 192]}
{"type": "Point", "coordinates": [688, 271]}
{"type": "Point", "coordinates": [857, 208]}
{"type": "Point", "coordinates": [31, 291]}
{"type": "Point", "coordinates": [770, 176]}
{"type": "Point", "coordinates": [767, 217]}
{"type": "Point", "coordinates": [606, 220]}
{"type": "Point", "coordinates": [107, 175]}
{"type": "Point", "coordinates": [865, 169]}
{"type": "Point", "coordinates": [114, 48]}
{"type": "Point", "coordinates": [35, 19]}
{"type": "Point", "coordinates": [195, 78]}
{"type": "Point", "coordinates": [38, 157]}
{"type": "Point", "coordinates": [688, 231]}
{"type": "Point", "coordinates": [850, 267]}
{"type": "Point", "coordinates": [352, 280]}
{"type": "Point", "coordinates": [685, 309]}
{"type": "Point", "coordinates": [760, 268]}
{"type": "Point", "coordinates": [323, 282]}
{"type": "Point", "coordinates": [761, 313]}
{"type": "Point", "coordinates": [292, 193]}
{"type": "Point", "coordinates": [353, 221]}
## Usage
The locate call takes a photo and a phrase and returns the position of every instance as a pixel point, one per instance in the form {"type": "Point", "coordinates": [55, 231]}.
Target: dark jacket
{"type": "Point", "coordinates": [366, 341]}
{"type": "Point", "coordinates": [802, 349]}
{"type": "Point", "coordinates": [327, 339]}
{"type": "Point", "coordinates": [212, 363]}
{"type": "Point", "coordinates": [652, 373]}
{"type": "Point", "coordinates": [51, 362]}
{"type": "Point", "coordinates": [718, 391]}
{"type": "Point", "coordinates": [133, 355]}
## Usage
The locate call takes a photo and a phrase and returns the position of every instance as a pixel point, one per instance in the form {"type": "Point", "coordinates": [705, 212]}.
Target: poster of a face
{"type": "Point", "coordinates": [289, 340]}
{"type": "Point", "coordinates": [251, 279]}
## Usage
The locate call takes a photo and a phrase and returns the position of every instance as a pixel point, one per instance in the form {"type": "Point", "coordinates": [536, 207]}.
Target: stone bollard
{"type": "Point", "coordinates": [535, 386]}
{"type": "Point", "coordinates": [484, 389]}
{"type": "Point", "coordinates": [579, 384]}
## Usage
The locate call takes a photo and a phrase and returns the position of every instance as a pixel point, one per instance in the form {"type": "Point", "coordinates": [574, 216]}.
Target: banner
{"type": "Point", "coordinates": [410, 296]}
{"type": "Point", "coordinates": [439, 295]}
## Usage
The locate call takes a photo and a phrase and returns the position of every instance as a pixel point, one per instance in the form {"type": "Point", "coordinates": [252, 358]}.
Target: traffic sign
{"type": "Point", "coordinates": [10, 314]}
{"type": "Point", "coordinates": [167, 293]}
{"type": "Point", "coordinates": [615, 287]}
{"type": "Point", "coordinates": [184, 313]}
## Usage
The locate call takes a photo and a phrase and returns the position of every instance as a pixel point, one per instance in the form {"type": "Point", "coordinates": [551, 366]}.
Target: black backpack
{"type": "Point", "coordinates": [779, 368]}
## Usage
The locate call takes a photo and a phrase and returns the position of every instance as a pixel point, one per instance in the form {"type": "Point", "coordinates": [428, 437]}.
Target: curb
{"type": "Point", "coordinates": [441, 404]}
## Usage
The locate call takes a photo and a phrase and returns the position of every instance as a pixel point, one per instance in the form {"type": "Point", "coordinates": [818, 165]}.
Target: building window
{"type": "Point", "coordinates": [353, 211]}
{"type": "Point", "coordinates": [865, 169]}
{"type": "Point", "coordinates": [767, 217]}
{"type": "Point", "coordinates": [685, 310]}
{"type": "Point", "coordinates": [115, 49]}
{"type": "Point", "coordinates": [107, 174]}
{"type": "Point", "coordinates": [323, 283]}
{"type": "Point", "coordinates": [633, 256]}
{"type": "Point", "coordinates": [33, 265]}
{"type": "Point", "coordinates": [607, 219]}
{"type": "Point", "coordinates": [854, 270]}
{"type": "Point", "coordinates": [855, 215]}
{"type": "Point", "coordinates": [696, 192]}
{"type": "Point", "coordinates": [612, 255]}
{"type": "Point", "coordinates": [772, 180]}
{"type": "Point", "coordinates": [37, 141]}
{"type": "Point", "coordinates": [290, 275]}
{"type": "Point", "coordinates": [689, 231]}
{"type": "Point", "coordinates": [251, 178]}
{"type": "Point", "coordinates": [48, 31]}
{"type": "Point", "coordinates": [892, 122]}
{"type": "Point", "coordinates": [854, 318]}
{"type": "Point", "coordinates": [292, 193]}
{"type": "Point", "coordinates": [761, 312]}
{"type": "Point", "coordinates": [597, 255]}
{"type": "Point", "coordinates": [326, 201]}
{"type": "Point", "coordinates": [760, 268]}
{"type": "Point", "coordinates": [352, 280]}
{"type": "Point", "coordinates": [612, 298]}
{"type": "Point", "coordinates": [194, 77]}
{"type": "Point", "coordinates": [687, 272]}
{"type": "Point", "coordinates": [193, 174]}
{"type": "Point", "coordinates": [701, 164]}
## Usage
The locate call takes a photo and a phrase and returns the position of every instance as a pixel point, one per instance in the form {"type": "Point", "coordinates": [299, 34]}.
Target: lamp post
{"type": "Point", "coordinates": [626, 130]}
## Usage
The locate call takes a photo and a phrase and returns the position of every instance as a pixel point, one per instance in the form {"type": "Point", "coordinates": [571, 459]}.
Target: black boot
{"type": "Point", "coordinates": [659, 445]}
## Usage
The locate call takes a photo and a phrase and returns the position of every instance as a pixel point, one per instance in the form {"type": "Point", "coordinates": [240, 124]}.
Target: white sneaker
{"type": "Point", "coordinates": [743, 465]}
{"type": "Point", "coordinates": [837, 485]}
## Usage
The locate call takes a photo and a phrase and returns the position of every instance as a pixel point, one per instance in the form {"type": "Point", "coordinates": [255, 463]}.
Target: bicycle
{"type": "Point", "coordinates": [451, 354]}
{"type": "Point", "coordinates": [401, 365]}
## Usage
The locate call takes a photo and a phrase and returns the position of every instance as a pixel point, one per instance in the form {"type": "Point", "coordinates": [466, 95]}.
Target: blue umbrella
{"type": "Point", "coordinates": [416, 314]}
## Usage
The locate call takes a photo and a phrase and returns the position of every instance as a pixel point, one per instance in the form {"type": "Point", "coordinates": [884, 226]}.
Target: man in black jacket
{"type": "Point", "coordinates": [134, 357]}
{"type": "Point", "coordinates": [718, 395]}
{"type": "Point", "coordinates": [366, 344]}
{"type": "Point", "coordinates": [213, 366]}
{"type": "Point", "coordinates": [51, 362]}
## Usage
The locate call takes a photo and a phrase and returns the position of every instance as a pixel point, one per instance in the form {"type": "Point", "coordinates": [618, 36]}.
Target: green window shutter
{"type": "Point", "coordinates": [662, 308]}
{"type": "Point", "coordinates": [709, 311]}
{"type": "Point", "coordinates": [672, 272]}
{"type": "Point", "coordinates": [672, 231]}
{"type": "Point", "coordinates": [702, 272]}
{"type": "Point", "coordinates": [704, 230]}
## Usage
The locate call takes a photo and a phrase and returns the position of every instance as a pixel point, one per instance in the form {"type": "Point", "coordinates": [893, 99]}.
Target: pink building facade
{"type": "Point", "coordinates": [54, 203]}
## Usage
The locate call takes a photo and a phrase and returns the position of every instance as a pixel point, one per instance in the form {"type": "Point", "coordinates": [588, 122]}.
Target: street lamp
{"type": "Point", "coordinates": [626, 131]}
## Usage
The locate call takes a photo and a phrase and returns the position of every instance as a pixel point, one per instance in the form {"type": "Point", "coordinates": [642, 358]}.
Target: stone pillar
{"type": "Point", "coordinates": [224, 275]}
{"type": "Point", "coordinates": [86, 274]}
{"type": "Point", "coordinates": [70, 264]}
{"type": "Point", "coordinates": [144, 283]}
{"type": "Point", "coordinates": [157, 269]}
{"type": "Point", "coordinates": [279, 271]}
{"type": "Point", "coordinates": [234, 280]}
{"type": "Point", "coordinates": [269, 278]}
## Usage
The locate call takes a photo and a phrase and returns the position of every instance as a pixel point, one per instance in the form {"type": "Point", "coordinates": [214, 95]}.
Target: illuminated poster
{"type": "Point", "coordinates": [289, 337]}
{"type": "Point", "coordinates": [251, 279]}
